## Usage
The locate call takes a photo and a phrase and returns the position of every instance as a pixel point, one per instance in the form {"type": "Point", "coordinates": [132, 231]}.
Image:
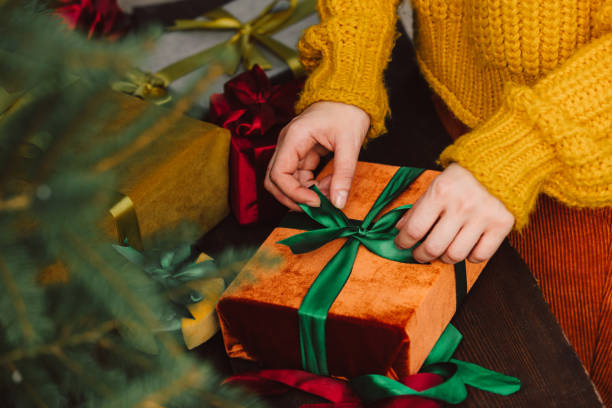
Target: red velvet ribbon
{"type": "Point", "coordinates": [254, 112]}
{"type": "Point", "coordinates": [337, 392]}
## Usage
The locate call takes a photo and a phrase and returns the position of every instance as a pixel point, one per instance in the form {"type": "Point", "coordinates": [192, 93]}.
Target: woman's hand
{"type": "Point", "coordinates": [460, 218]}
{"type": "Point", "coordinates": [321, 128]}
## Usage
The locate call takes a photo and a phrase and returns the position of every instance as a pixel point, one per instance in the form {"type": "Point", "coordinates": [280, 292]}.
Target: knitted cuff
{"type": "Point", "coordinates": [347, 56]}
{"type": "Point", "coordinates": [509, 157]}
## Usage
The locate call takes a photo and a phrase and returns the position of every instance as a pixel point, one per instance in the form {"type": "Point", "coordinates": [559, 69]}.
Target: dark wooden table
{"type": "Point", "coordinates": [506, 323]}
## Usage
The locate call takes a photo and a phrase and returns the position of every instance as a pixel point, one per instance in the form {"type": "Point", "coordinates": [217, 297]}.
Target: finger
{"type": "Point", "coordinates": [273, 189]}
{"type": "Point", "coordinates": [305, 177]}
{"type": "Point", "coordinates": [310, 162]}
{"type": "Point", "coordinates": [324, 185]}
{"type": "Point", "coordinates": [438, 240]}
{"type": "Point", "coordinates": [345, 161]}
{"type": "Point", "coordinates": [486, 247]}
{"type": "Point", "coordinates": [284, 167]}
{"type": "Point", "coordinates": [279, 196]}
{"type": "Point", "coordinates": [407, 215]}
{"type": "Point", "coordinates": [421, 217]}
{"type": "Point", "coordinates": [463, 244]}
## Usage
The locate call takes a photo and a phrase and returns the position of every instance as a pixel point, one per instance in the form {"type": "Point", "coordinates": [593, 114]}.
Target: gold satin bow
{"type": "Point", "coordinates": [145, 85]}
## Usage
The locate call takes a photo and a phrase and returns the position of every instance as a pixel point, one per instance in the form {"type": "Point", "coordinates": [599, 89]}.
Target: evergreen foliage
{"type": "Point", "coordinates": [74, 314]}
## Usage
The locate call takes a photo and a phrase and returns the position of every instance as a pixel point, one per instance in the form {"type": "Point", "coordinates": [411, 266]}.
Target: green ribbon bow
{"type": "Point", "coordinates": [456, 373]}
{"type": "Point", "coordinates": [228, 54]}
{"type": "Point", "coordinates": [172, 270]}
{"type": "Point", "coordinates": [379, 237]}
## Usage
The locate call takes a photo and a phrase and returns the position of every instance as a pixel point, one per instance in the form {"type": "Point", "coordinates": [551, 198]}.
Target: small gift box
{"type": "Point", "coordinates": [345, 301]}
{"type": "Point", "coordinates": [192, 289]}
{"type": "Point", "coordinates": [170, 177]}
{"type": "Point", "coordinates": [254, 112]}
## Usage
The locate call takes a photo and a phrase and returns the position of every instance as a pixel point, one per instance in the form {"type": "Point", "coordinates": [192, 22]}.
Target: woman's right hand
{"type": "Point", "coordinates": [321, 128]}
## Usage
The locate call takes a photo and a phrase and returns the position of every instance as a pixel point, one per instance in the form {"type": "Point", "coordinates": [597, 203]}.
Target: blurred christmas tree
{"type": "Point", "coordinates": [71, 338]}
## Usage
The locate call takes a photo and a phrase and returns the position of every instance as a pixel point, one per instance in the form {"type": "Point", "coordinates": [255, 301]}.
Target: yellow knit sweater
{"type": "Point", "coordinates": [532, 78]}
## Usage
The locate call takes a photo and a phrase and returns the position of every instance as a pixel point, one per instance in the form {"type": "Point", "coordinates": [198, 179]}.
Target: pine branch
{"type": "Point", "coordinates": [126, 354]}
{"type": "Point", "coordinates": [75, 367]}
{"type": "Point", "coordinates": [109, 274]}
{"type": "Point", "coordinates": [189, 379]}
{"type": "Point", "coordinates": [87, 337]}
{"type": "Point", "coordinates": [20, 307]}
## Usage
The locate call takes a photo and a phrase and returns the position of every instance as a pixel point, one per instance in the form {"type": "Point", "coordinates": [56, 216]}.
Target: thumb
{"type": "Point", "coordinates": [345, 161]}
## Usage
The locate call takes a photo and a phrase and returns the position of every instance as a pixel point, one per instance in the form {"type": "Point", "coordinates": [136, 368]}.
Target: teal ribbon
{"type": "Point", "coordinates": [378, 237]}
{"type": "Point", "coordinates": [456, 373]}
{"type": "Point", "coordinates": [172, 270]}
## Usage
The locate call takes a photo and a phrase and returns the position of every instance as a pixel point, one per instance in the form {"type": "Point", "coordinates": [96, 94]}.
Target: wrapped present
{"type": "Point", "coordinates": [254, 111]}
{"type": "Point", "coordinates": [388, 313]}
{"type": "Point", "coordinates": [240, 35]}
{"type": "Point", "coordinates": [179, 175]}
{"type": "Point", "coordinates": [192, 287]}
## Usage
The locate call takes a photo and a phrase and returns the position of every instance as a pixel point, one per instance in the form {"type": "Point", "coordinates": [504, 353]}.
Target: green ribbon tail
{"type": "Point", "coordinates": [316, 304]}
{"type": "Point", "coordinates": [486, 380]}
{"type": "Point", "coordinates": [445, 347]}
{"type": "Point", "coordinates": [457, 375]}
{"type": "Point", "coordinates": [371, 388]}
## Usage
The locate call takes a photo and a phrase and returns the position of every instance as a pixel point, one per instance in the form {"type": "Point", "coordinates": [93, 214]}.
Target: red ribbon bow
{"type": "Point", "coordinates": [98, 17]}
{"type": "Point", "coordinates": [250, 106]}
{"type": "Point", "coordinates": [254, 111]}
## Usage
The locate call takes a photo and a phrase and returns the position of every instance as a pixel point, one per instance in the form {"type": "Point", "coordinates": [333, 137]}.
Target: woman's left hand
{"type": "Point", "coordinates": [459, 218]}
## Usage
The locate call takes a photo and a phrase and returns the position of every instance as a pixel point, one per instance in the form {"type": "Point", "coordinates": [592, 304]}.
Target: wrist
{"type": "Point", "coordinates": [509, 157]}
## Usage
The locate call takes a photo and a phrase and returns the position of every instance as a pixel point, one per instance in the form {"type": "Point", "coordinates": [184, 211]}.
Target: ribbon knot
{"type": "Point", "coordinates": [145, 85]}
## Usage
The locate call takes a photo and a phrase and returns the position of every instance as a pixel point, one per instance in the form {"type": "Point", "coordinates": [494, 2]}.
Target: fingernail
{"type": "Point", "coordinates": [314, 204]}
{"type": "Point", "coordinates": [340, 199]}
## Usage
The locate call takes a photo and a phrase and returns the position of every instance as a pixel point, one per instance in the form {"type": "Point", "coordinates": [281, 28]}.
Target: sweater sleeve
{"type": "Point", "coordinates": [346, 55]}
{"type": "Point", "coordinates": [554, 137]}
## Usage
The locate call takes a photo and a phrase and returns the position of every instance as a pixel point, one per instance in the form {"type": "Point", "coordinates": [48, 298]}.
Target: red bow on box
{"type": "Point", "coordinates": [98, 17]}
{"type": "Point", "coordinates": [254, 112]}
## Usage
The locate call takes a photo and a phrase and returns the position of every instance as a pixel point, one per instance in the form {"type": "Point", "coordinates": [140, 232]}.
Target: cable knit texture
{"type": "Point", "coordinates": [533, 78]}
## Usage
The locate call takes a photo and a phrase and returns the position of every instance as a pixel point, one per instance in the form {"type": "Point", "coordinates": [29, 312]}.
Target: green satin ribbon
{"type": "Point", "coordinates": [376, 236]}
{"type": "Point", "coordinates": [456, 373]}
{"type": "Point", "coordinates": [228, 54]}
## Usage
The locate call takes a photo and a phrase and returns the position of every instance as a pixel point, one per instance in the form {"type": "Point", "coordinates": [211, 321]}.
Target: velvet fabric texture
{"type": "Point", "coordinates": [569, 251]}
{"type": "Point", "coordinates": [386, 319]}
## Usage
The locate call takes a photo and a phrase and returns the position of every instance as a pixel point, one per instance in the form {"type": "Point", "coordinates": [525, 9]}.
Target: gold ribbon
{"type": "Point", "coordinates": [126, 223]}
{"type": "Point", "coordinates": [241, 47]}
{"type": "Point", "coordinates": [144, 85]}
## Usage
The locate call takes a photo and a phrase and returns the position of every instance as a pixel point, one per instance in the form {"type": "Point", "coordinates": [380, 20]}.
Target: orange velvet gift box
{"type": "Point", "coordinates": [385, 320]}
